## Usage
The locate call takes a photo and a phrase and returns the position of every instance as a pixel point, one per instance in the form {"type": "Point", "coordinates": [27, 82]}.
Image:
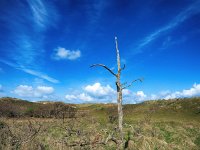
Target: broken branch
{"type": "Point", "coordinates": [123, 67]}
{"type": "Point", "coordinates": [140, 79]}
{"type": "Point", "coordinates": [101, 65]}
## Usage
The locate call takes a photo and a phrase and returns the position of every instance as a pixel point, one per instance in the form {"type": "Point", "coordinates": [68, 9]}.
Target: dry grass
{"type": "Point", "coordinates": [155, 125]}
{"type": "Point", "coordinates": [89, 133]}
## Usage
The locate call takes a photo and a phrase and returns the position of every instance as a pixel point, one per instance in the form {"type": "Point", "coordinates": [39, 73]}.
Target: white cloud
{"type": "Point", "coordinates": [82, 96]}
{"type": "Point", "coordinates": [98, 90]}
{"type": "Point", "coordinates": [105, 94]}
{"type": "Point", "coordinates": [45, 89]}
{"type": "Point", "coordinates": [70, 97]}
{"type": "Point", "coordinates": [62, 53]}
{"type": "Point", "coordinates": [24, 91]}
{"type": "Point", "coordinates": [95, 92]}
{"type": "Point", "coordinates": [85, 97]}
{"type": "Point", "coordinates": [141, 96]}
{"type": "Point", "coordinates": [194, 91]}
{"type": "Point", "coordinates": [29, 91]}
{"type": "Point", "coordinates": [134, 97]}
{"type": "Point", "coordinates": [126, 92]}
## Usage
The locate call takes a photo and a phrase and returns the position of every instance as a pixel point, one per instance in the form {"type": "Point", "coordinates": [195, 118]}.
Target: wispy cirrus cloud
{"type": "Point", "coordinates": [169, 41]}
{"type": "Point", "coordinates": [39, 12]}
{"type": "Point", "coordinates": [40, 74]}
{"type": "Point", "coordinates": [30, 71]}
{"type": "Point", "coordinates": [28, 51]}
{"type": "Point", "coordinates": [18, 45]}
{"type": "Point", "coordinates": [180, 18]}
{"type": "Point", "coordinates": [25, 32]}
{"type": "Point", "coordinates": [94, 10]}
{"type": "Point", "coordinates": [44, 13]}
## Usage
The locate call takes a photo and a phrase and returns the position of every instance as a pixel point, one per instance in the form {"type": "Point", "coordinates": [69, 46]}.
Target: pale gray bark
{"type": "Point", "coordinates": [119, 91]}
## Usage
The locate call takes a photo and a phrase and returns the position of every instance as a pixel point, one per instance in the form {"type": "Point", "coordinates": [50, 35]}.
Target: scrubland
{"type": "Point", "coordinates": [152, 125]}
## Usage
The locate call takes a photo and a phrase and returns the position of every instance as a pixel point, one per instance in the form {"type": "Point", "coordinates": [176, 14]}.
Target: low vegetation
{"type": "Point", "coordinates": [16, 108]}
{"type": "Point", "coordinates": [152, 125]}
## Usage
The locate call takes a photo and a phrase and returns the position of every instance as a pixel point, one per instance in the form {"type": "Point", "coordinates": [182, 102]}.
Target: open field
{"type": "Point", "coordinates": [152, 125]}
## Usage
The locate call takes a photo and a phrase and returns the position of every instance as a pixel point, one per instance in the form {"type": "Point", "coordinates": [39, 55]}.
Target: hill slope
{"type": "Point", "coordinates": [181, 109]}
{"type": "Point", "coordinates": [185, 109]}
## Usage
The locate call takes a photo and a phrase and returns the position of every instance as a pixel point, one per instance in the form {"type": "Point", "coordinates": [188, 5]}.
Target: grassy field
{"type": "Point", "coordinates": [152, 125]}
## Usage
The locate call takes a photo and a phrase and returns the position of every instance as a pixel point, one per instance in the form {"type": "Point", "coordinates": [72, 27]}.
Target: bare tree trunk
{"type": "Point", "coordinates": [119, 93]}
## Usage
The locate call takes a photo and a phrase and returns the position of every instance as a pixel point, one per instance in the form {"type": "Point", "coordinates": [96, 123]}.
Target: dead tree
{"type": "Point", "coordinates": [119, 86]}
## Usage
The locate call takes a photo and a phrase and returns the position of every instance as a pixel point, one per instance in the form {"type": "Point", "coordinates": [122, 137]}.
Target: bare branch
{"type": "Point", "coordinates": [123, 67]}
{"type": "Point", "coordinates": [140, 79]}
{"type": "Point", "coordinates": [101, 65]}
{"type": "Point", "coordinates": [123, 84]}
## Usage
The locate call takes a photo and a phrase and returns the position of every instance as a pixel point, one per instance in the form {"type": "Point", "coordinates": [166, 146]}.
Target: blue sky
{"type": "Point", "coordinates": [46, 48]}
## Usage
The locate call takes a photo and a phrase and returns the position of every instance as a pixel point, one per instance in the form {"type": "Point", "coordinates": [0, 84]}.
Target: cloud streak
{"type": "Point", "coordinates": [180, 18]}
{"type": "Point", "coordinates": [39, 12]}
{"type": "Point", "coordinates": [40, 74]}
{"type": "Point", "coordinates": [18, 44]}
{"type": "Point", "coordinates": [94, 10]}
{"type": "Point", "coordinates": [44, 14]}
{"type": "Point", "coordinates": [30, 71]}
{"type": "Point", "coordinates": [26, 25]}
